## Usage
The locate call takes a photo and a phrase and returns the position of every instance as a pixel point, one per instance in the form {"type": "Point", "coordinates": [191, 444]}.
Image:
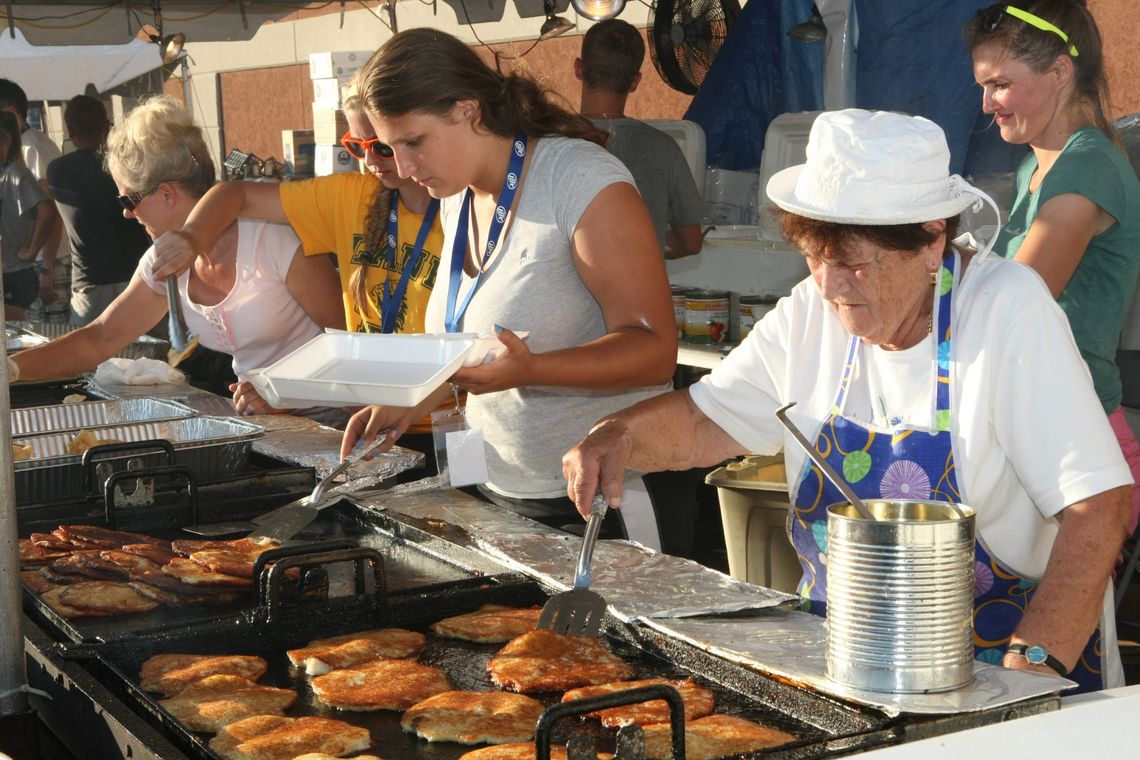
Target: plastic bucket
{"type": "Point", "coordinates": [900, 593]}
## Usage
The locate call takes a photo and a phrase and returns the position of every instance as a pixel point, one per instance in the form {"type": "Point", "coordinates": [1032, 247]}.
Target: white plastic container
{"type": "Point", "coordinates": [343, 368]}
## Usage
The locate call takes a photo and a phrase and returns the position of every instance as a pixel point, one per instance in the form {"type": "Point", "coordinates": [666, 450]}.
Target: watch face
{"type": "Point", "coordinates": [1036, 654]}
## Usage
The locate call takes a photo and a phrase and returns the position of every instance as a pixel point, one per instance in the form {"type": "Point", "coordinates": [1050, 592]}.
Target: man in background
{"type": "Point", "coordinates": [53, 261]}
{"type": "Point", "coordinates": [105, 246]}
{"type": "Point", "coordinates": [610, 69]}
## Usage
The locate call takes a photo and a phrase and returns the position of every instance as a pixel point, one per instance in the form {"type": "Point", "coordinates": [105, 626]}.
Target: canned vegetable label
{"type": "Point", "coordinates": [706, 317]}
{"type": "Point", "coordinates": [752, 310]}
{"type": "Point", "coordinates": [679, 297]}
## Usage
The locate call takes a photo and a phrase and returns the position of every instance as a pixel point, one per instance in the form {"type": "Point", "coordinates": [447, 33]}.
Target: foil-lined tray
{"type": "Point", "coordinates": [792, 646]}
{"type": "Point", "coordinates": [58, 418]}
{"type": "Point", "coordinates": [28, 334]}
{"type": "Point", "coordinates": [636, 582]}
{"type": "Point", "coordinates": [211, 447]}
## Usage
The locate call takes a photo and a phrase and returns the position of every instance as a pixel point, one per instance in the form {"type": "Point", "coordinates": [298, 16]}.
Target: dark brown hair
{"type": "Point", "coordinates": [429, 71]}
{"type": "Point", "coordinates": [1039, 48]}
{"type": "Point", "coordinates": [612, 54]}
{"type": "Point", "coordinates": [86, 116]}
{"type": "Point", "coordinates": [830, 239]}
{"type": "Point", "coordinates": [10, 133]}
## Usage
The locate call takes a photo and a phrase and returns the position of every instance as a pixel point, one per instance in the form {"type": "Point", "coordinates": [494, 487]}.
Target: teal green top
{"type": "Point", "coordinates": [1097, 297]}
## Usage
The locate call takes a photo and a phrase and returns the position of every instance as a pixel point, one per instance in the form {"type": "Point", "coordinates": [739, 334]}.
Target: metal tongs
{"type": "Point", "coordinates": [579, 611]}
{"type": "Point", "coordinates": [283, 523]}
{"type": "Point", "coordinates": [182, 343]}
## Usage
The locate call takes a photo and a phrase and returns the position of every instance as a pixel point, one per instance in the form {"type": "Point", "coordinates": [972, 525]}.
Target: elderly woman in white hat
{"type": "Point", "coordinates": [925, 371]}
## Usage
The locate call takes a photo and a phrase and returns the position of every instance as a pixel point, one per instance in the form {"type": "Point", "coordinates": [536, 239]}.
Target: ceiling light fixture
{"type": "Point", "coordinates": [554, 25]}
{"type": "Point", "coordinates": [598, 10]}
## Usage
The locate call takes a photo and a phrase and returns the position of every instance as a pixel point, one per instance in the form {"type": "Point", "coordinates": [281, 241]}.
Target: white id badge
{"type": "Point", "coordinates": [459, 451]}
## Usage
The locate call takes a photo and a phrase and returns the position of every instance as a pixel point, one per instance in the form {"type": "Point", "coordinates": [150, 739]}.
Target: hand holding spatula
{"type": "Point", "coordinates": [579, 611]}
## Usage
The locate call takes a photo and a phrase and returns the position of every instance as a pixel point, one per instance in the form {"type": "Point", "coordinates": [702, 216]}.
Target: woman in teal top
{"type": "Point", "coordinates": [1076, 211]}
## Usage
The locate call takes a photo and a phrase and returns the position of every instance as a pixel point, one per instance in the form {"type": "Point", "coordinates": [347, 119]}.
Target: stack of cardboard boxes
{"type": "Point", "coordinates": [318, 152]}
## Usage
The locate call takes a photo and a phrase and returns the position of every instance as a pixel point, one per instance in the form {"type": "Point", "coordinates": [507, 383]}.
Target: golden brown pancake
{"type": "Point", "coordinates": [35, 555]}
{"type": "Point", "coordinates": [324, 756]}
{"type": "Point", "coordinates": [267, 737]}
{"type": "Point", "coordinates": [36, 582]}
{"type": "Point", "coordinates": [169, 674]}
{"type": "Point", "coordinates": [105, 598]}
{"type": "Point", "coordinates": [51, 541]}
{"type": "Point", "coordinates": [515, 751]}
{"type": "Point", "coordinates": [218, 701]}
{"type": "Point", "coordinates": [226, 562]}
{"type": "Point", "coordinates": [21, 452]}
{"type": "Point", "coordinates": [491, 623]}
{"type": "Point", "coordinates": [89, 564]}
{"type": "Point", "coordinates": [474, 717]}
{"type": "Point", "coordinates": [191, 573]}
{"type": "Point", "coordinates": [132, 564]}
{"type": "Point", "coordinates": [107, 538]}
{"type": "Point", "coordinates": [712, 737]}
{"type": "Point", "coordinates": [241, 545]}
{"type": "Point", "coordinates": [159, 555]}
{"type": "Point", "coordinates": [546, 661]}
{"type": "Point", "coordinates": [698, 701]}
{"type": "Point", "coordinates": [170, 583]}
{"type": "Point", "coordinates": [52, 599]}
{"type": "Point", "coordinates": [380, 685]}
{"type": "Point", "coordinates": [323, 655]}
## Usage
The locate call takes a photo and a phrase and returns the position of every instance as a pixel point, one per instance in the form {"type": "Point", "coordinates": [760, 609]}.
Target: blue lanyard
{"type": "Point", "coordinates": [390, 300]}
{"type": "Point", "coordinates": [459, 246]}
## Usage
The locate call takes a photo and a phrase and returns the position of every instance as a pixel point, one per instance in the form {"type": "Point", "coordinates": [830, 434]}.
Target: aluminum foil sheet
{"type": "Point", "coordinates": [307, 443]}
{"type": "Point", "coordinates": [635, 581]}
{"type": "Point", "coordinates": [791, 645]}
{"type": "Point", "coordinates": [37, 333]}
{"type": "Point", "coordinates": [427, 500]}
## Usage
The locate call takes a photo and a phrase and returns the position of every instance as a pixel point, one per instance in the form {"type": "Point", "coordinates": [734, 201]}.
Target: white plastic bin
{"type": "Point", "coordinates": [753, 497]}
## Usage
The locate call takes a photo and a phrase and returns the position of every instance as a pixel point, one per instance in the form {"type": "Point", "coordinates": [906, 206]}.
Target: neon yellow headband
{"type": "Point", "coordinates": [1043, 25]}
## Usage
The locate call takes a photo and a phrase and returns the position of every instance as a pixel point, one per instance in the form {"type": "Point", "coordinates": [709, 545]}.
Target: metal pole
{"type": "Point", "coordinates": [13, 675]}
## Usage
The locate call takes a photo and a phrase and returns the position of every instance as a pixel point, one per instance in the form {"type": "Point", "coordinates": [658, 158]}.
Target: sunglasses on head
{"type": "Point", "coordinates": [132, 200]}
{"type": "Point", "coordinates": [993, 15]}
{"type": "Point", "coordinates": [359, 148]}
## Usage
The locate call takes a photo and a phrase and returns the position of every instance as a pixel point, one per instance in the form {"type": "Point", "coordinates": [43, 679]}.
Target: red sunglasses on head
{"type": "Point", "coordinates": [359, 148]}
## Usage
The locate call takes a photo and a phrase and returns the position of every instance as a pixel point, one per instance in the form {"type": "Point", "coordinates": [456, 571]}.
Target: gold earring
{"type": "Point", "coordinates": [934, 278]}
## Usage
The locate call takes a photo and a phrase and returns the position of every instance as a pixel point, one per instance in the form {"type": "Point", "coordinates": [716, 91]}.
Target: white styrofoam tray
{"type": "Point", "coordinates": [487, 346]}
{"type": "Point", "coordinates": [361, 368]}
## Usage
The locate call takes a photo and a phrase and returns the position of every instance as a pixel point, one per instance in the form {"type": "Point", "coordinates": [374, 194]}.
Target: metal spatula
{"type": "Point", "coordinates": [579, 611]}
{"type": "Point", "coordinates": [182, 343]}
{"type": "Point", "coordinates": [283, 523]}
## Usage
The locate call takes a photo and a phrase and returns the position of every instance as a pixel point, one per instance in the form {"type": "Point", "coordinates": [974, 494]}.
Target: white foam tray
{"type": "Point", "coordinates": [344, 369]}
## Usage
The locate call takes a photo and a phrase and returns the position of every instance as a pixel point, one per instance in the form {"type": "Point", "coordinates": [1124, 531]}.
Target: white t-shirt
{"type": "Point", "coordinates": [258, 321]}
{"type": "Point", "coordinates": [532, 285]}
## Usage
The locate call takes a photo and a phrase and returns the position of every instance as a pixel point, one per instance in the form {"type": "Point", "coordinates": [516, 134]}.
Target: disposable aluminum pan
{"type": "Point", "coordinates": [24, 334]}
{"type": "Point", "coordinates": [900, 593]}
{"type": "Point", "coordinates": [60, 418]}
{"type": "Point", "coordinates": [211, 447]}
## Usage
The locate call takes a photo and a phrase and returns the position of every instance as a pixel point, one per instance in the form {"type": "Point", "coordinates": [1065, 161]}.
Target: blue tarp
{"type": "Point", "coordinates": [910, 57]}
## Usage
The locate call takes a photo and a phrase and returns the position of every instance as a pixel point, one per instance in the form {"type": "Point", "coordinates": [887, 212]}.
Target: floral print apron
{"type": "Point", "coordinates": [910, 462]}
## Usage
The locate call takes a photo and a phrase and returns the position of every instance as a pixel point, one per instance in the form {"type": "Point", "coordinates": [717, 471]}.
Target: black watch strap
{"type": "Point", "coordinates": [1038, 656]}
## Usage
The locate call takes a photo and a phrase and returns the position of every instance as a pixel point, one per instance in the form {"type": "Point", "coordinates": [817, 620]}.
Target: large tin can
{"type": "Point", "coordinates": [706, 316]}
{"type": "Point", "coordinates": [753, 309]}
{"type": "Point", "coordinates": [900, 594]}
{"type": "Point", "coordinates": [680, 292]}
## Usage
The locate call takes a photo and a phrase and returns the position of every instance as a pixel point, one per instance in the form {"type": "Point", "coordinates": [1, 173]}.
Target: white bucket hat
{"type": "Point", "coordinates": [873, 167]}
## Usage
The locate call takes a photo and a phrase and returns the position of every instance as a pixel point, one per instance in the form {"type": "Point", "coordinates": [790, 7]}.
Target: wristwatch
{"type": "Point", "coordinates": [1036, 654]}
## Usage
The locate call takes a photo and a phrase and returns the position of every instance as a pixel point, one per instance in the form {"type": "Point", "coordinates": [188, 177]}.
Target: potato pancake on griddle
{"type": "Point", "coordinates": [698, 702]}
{"type": "Point", "coordinates": [33, 555]}
{"type": "Point", "coordinates": [474, 717]}
{"type": "Point", "coordinates": [86, 563]}
{"type": "Point", "coordinates": [132, 564]}
{"type": "Point", "coordinates": [190, 572]}
{"type": "Point", "coordinates": [325, 756]}
{"type": "Point", "coordinates": [104, 537]}
{"type": "Point", "coordinates": [36, 582]}
{"type": "Point", "coordinates": [515, 751]}
{"type": "Point", "coordinates": [159, 555]}
{"type": "Point", "coordinates": [268, 737]}
{"type": "Point", "coordinates": [225, 562]}
{"type": "Point", "coordinates": [105, 598]}
{"type": "Point", "coordinates": [220, 700]}
{"type": "Point", "coordinates": [188, 546]}
{"type": "Point", "coordinates": [52, 599]}
{"type": "Point", "coordinates": [490, 624]}
{"type": "Point", "coordinates": [322, 655]}
{"type": "Point", "coordinates": [712, 737]}
{"type": "Point", "coordinates": [547, 661]}
{"type": "Point", "coordinates": [380, 685]}
{"type": "Point", "coordinates": [169, 674]}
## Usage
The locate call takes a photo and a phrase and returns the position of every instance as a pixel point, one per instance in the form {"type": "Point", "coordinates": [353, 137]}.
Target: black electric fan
{"type": "Point", "coordinates": [687, 35]}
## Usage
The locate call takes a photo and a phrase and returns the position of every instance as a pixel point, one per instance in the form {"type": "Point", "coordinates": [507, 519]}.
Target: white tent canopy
{"type": "Point", "coordinates": [60, 72]}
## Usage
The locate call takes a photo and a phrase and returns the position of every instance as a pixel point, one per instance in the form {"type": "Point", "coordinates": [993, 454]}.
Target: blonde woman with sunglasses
{"type": "Point", "coordinates": [1075, 216]}
{"type": "Point", "coordinates": [251, 294]}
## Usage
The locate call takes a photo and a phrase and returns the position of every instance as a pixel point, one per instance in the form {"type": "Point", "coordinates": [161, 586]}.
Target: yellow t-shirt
{"type": "Point", "coordinates": [329, 214]}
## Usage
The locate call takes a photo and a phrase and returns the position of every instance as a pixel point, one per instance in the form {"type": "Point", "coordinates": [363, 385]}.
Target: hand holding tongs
{"type": "Point", "coordinates": [182, 343]}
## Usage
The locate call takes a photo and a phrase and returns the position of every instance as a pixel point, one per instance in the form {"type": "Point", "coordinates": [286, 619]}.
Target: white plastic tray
{"type": "Point", "coordinates": [486, 349]}
{"type": "Point", "coordinates": [359, 368]}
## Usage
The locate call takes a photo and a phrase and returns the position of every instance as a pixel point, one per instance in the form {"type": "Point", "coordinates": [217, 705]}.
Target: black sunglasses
{"type": "Point", "coordinates": [358, 148]}
{"type": "Point", "coordinates": [131, 200]}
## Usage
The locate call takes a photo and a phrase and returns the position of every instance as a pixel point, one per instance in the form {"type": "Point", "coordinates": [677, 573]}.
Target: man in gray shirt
{"type": "Point", "coordinates": [610, 69]}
